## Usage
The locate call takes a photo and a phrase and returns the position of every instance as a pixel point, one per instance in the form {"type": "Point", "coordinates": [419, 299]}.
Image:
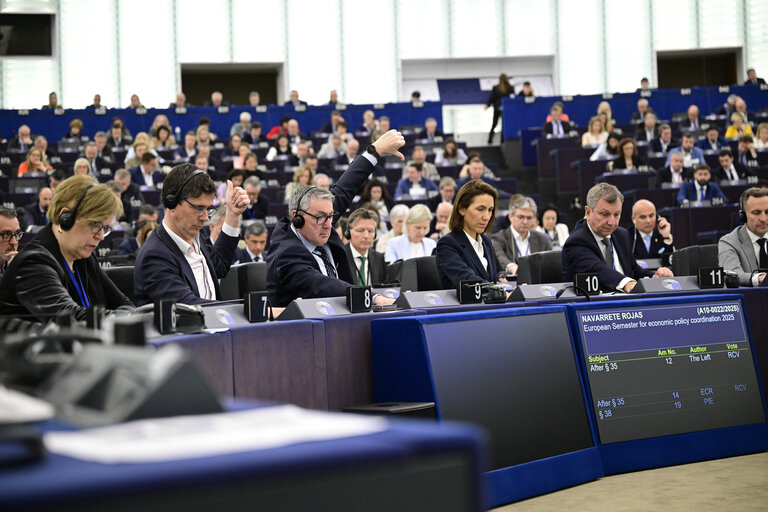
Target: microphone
{"type": "Point", "coordinates": [562, 290]}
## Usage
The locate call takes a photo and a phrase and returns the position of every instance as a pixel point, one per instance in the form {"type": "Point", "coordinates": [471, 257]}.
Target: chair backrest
{"type": "Point", "coordinates": [688, 261]}
{"type": "Point", "coordinates": [420, 275]}
{"type": "Point", "coordinates": [540, 267]}
{"type": "Point", "coordinates": [123, 279]}
{"type": "Point", "coordinates": [244, 278]}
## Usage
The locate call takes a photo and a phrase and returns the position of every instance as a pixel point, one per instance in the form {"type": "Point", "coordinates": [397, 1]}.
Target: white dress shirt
{"type": "Point", "coordinates": [194, 256]}
{"type": "Point", "coordinates": [356, 258]}
{"type": "Point", "coordinates": [523, 246]}
{"type": "Point", "coordinates": [417, 249]}
{"type": "Point", "coordinates": [477, 245]}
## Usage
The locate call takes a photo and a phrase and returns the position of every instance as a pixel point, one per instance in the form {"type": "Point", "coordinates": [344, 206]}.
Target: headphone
{"type": "Point", "coordinates": [298, 220]}
{"type": "Point", "coordinates": [172, 200]}
{"type": "Point", "coordinates": [67, 219]}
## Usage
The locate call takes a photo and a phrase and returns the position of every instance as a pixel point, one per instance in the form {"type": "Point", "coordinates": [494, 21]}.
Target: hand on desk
{"type": "Point", "coordinates": [663, 272]}
{"type": "Point", "coordinates": [381, 300]}
{"type": "Point", "coordinates": [628, 287]}
{"type": "Point", "coordinates": [760, 278]}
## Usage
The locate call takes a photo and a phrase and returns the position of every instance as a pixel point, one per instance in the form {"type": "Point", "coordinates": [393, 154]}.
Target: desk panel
{"type": "Point", "coordinates": [211, 352]}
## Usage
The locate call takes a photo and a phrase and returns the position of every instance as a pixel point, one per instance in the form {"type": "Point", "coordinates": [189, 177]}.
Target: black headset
{"type": "Point", "coordinates": [67, 219]}
{"type": "Point", "coordinates": [298, 220]}
{"type": "Point", "coordinates": [172, 200]}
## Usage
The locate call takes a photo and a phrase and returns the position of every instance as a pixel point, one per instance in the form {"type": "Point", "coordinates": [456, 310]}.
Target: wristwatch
{"type": "Point", "coordinates": [372, 150]}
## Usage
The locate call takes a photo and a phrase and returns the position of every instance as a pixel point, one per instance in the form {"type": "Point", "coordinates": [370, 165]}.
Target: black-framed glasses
{"type": "Point", "coordinates": [7, 235]}
{"type": "Point", "coordinates": [200, 210]}
{"type": "Point", "coordinates": [95, 227]}
{"type": "Point", "coordinates": [320, 219]}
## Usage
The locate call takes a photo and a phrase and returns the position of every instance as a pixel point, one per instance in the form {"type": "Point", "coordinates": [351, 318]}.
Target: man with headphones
{"type": "Point", "coordinates": [306, 257]}
{"type": "Point", "coordinates": [743, 250]}
{"type": "Point", "coordinates": [368, 266]}
{"type": "Point", "coordinates": [176, 263]}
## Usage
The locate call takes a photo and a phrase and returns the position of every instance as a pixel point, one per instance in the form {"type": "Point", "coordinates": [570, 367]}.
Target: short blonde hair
{"type": "Point", "coordinates": [98, 203]}
{"type": "Point", "coordinates": [418, 213]}
{"type": "Point", "coordinates": [81, 161]}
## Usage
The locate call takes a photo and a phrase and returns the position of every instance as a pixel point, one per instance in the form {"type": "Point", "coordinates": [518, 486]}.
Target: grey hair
{"type": "Point", "coordinates": [245, 116]}
{"type": "Point", "coordinates": [254, 94]}
{"type": "Point", "coordinates": [524, 203]}
{"type": "Point", "coordinates": [651, 114]}
{"type": "Point", "coordinates": [252, 180]}
{"type": "Point", "coordinates": [256, 229]}
{"type": "Point", "coordinates": [397, 211]}
{"type": "Point", "coordinates": [603, 191]}
{"type": "Point", "coordinates": [214, 219]}
{"type": "Point", "coordinates": [418, 213]}
{"type": "Point", "coordinates": [113, 186]}
{"type": "Point", "coordinates": [307, 193]}
{"type": "Point", "coordinates": [447, 180]}
{"type": "Point", "coordinates": [122, 173]}
{"type": "Point", "coordinates": [663, 127]}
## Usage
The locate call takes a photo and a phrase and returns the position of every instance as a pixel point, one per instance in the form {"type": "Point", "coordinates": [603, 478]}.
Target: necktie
{"type": "Point", "coordinates": [763, 262]}
{"type": "Point", "coordinates": [559, 130]}
{"type": "Point", "coordinates": [362, 274]}
{"type": "Point", "coordinates": [701, 194]}
{"type": "Point", "coordinates": [608, 251]}
{"type": "Point", "coordinates": [694, 125]}
{"type": "Point", "coordinates": [647, 239]}
{"type": "Point", "coordinates": [734, 176]}
{"type": "Point", "coordinates": [329, 269]}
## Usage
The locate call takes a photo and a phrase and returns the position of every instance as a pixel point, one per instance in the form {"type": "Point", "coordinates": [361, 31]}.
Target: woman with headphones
{"type": "Point", "coordinates": [57, 272]}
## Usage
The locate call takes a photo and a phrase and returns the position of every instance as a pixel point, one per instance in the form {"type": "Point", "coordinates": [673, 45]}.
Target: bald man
{"type": "Point", "coordinates": [651, 234]}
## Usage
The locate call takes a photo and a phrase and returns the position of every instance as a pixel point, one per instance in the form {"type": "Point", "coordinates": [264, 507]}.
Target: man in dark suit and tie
{"type": "Point", "coordinates": [295, 101]}
{"type": "Point", "coordinates": [651, 235]}
{"type": "Point", "coordinates": [176, 262]}
{"type": "Point", "coordinates": [713, 141]}
{"type": "Point", "coordinates": [430, 133]}
{"type": "Point", "coordinates": [306, 257]}
{"type": "Point", "coordinates": [674, 173]}
{"type": "Point", "coordinates": [556, 127]}
{"type": "Point", "coordinates": [598, 244]}
{"type": "Point", "coordinates": [146, 174]}
{"type": "Point", "coordinates": [730, 170]}
{"type": "Point", "coordinates": [368, 266]}
{"type": "Point", "coordinates": [642, 108]}
{"type": "Point", "coordinates": [664, 142]}
{"type": "Point", "coordinates": [700, 188]}
{"type": "Point", "coordinates": [35, 213]}
{"type": "Point", "coordinates": [648, 130]}
{"type": "Point", "coordinates": [692, 123]}
{"type": "Point", "coordinates": [752, 78]}
{"type": "Point", "coordinates": [520, 239]}
{"type": "Point", "coordinates": [743, 250]}
{"type": "Point", "coordinates": [255, 243]}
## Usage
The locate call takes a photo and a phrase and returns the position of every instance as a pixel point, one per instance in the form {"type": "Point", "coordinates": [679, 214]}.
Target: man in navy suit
{"type": "Point", "coordinates": [430, 133]}
{"type": "Point", "coordinates": [556, 127]}
{"type": "Point", "coordinates": [713, 141]}
{"type": "Point", "coordinates": [700, 188]}
{"type": "Point", "coordinates": [306, 257]}
{"type": "Point", "coordinates": [35, 213]}
{"type": "Point", "coordinates": [664, 142]}
{"type": "Point", "coordinates": [176, 262]}
{"type": "Point", "coordinates": [651, 234]}
{"type": "Point", "coordinates": [730, 170]}
{"type": "Point", "coordinates": [255, 242]}
{"type": "Point", "coordinates": [146, 174]}
{"type": "Point", "coordinates": [598, 244]}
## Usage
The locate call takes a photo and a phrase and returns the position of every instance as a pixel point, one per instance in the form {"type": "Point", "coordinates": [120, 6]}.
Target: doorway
{"type": "Point", "coordinates": [698, 68]}
{"type": "Point", "coordinates": [234, 81]}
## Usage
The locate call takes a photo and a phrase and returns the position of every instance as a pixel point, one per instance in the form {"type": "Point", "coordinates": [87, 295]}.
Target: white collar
{"type": "Point", "coordinates": [180, 242]}
{"type": "Point", "coordinates": [518, 236]}
{"type": "Point", "coordinates": [753, 237]}
{"type": "Point", "coordinates": [354, 252]}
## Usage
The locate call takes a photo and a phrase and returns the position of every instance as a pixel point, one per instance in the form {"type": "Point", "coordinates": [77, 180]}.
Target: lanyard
{"type": "Point", "coordinates": [251, 213]}
{"type": "Point", "coordinates": [78, 284]}
{"type": "Point", "coordinates": [527, 249]}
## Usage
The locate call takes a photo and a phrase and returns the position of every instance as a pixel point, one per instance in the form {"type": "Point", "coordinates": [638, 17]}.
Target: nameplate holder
{"type": "Point", "coordinates": [256, 307]}
{"type": "Point", "coordinates": [587, 282]}
{"type": "Point", "coordinates": [470, 291]}
{"type": "Point", "coordinates": [359, 299]}
{"type": "Point", "coordinates": [711, 278]}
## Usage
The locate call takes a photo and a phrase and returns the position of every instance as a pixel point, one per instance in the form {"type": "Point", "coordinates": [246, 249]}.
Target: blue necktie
{"type": "Point", "coordinates": [647, 239]}
{"type": "Point", "coordinates": [329, 269]}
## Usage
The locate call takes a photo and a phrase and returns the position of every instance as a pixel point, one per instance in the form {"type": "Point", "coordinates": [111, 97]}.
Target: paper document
{"type": "Point", "coordinates": [16, 407]}
{"type": "Point", "coordinates": [186, 437]}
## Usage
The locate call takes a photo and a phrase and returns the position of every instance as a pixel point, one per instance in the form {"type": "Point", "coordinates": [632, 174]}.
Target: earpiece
{"type": "Point", "coordinates": [67, 219]}
{"type": "Point", "coordinates": [742, 213]}
{"type": "Point", "coordinates": [298, 220]}
{"type": "Point", "coordinates": [172, 200]}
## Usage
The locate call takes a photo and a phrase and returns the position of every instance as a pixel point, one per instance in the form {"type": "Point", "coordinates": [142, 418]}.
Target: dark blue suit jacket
{"type": "Point", "coordinates": [162, 272]}
{"type": "Point", "coordinates": [293, 272]}
{"type": "Point", "coordinates": [582, 254]}
{"type": "Point", "coordinates": [129, 246]}
{"type": "Point", "coordinates": [658, 247]}
{"type": "Point", "coordinates": [136, 177]}
{"type": "Point", "coordinates": [704, 144]}
{"type": "Point", "coordinates": [457, 260]}
{"type": "Point", "coordinates": [688, 191]}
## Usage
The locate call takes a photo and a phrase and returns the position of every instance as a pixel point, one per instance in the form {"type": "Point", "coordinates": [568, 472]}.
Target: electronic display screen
{"type": "Point", "coordinates": [515, 376]}
{"type": "Point", "coordinates": [669, 369]}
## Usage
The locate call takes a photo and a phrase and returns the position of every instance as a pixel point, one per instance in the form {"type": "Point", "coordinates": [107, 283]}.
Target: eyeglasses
{"type": "Point", "coordinates": [200, 210]}
{"type": "Point", "coordinates": [7, 235]}
{"type": "Point", "coordinates": [320, 219]}
{"type": "Point", "coordinates": [98, 226]}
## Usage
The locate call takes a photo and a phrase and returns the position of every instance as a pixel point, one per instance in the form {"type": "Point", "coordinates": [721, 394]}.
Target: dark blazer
{"type": "Point", "coordinates": [665, 175]}
{"type": "Point", "coordinates": [292, 271]}
{"type": "Point", "coordinates": [36, 283]}
{"type": "Point", "coordinates": [290, 103]}
{"type": "Point", "coordinates": [742, 170]}
{"type": "Point", "coordinates": [685, 124]}
{"type": "Point", "coordinates": [123, 142]}
{"type": "Point", "coordinates": [620, 163]}
{"type": "Point", "coordinates": [162, 272]}
{"type": "Point", "coordinates": [641, 135]}
{"type": "Point", "coordinates": [723, 110]}
{"type": "Point", "coordinates": [344, 159]}
{"type": "Point", "coordinates": [704, 144]}
{"type": "Point", "coordinates": [209, 103]}
{"type": "Point", "coordinates": [374, 263]}
{"type": "Point", "coordinates": [582, 254]}
{"type": "Point", "coordinates": [760, 81]}
{"type": "Point", "coordinates": [548, 129]}
{"type": "Point", "coordinates": [423, 134]}
{"type": "Point", "coordinates": [258, 211]}
{"type": "Point", "coordinates": [432, 203]}
{"type": "Point", "coordinates": [494, 100]}
{"type": "Point", "coordinates": [656, 147]}
{"type": "Point", "coordinates": [133, 192]}
{"type": "Point", "coordinates": [137, 178]}
{"type": "Point", "coordinates": [181, 153]}
{"type": "Point", "coordinates": [129, 246]}
{"type": "Point", "coordinates": [33, 216]}
{"type": "Point", "coordinates": [506, 249]}
{"type": "Point", "coordinates": [14, 145]}
{"type": "Point", "coordinates": [247, 137]}
{"type": "Point", "coordinates": [658, 247]}
{"type": "Point", "coordinates": [688, 192]}
{"type": "Point", "coordinates": [244, 257]}
{"type": "Point", "coordinates": [457, 260]}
